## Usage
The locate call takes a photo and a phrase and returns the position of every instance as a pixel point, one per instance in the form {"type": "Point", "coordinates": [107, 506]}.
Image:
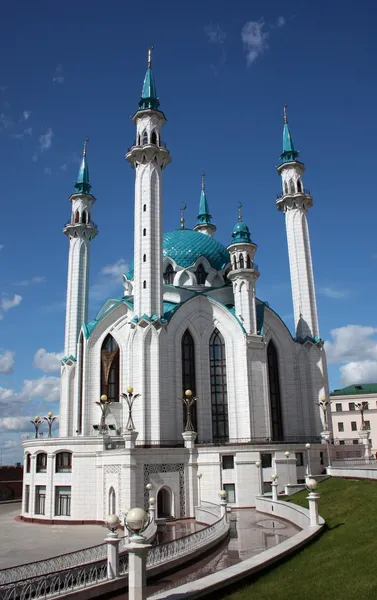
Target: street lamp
{"type": "Point", "coordinates": [189, 400]}
{"type": "Point", "coordinates": [287, 454]}
{"type": "Point", "coordinates": [104, 405]}
{"type": "Point", "coordinates": [50, 419]}
{"type": "Point", "coordinates": [130, 398]}
{"type": "Point", "coordinates": [199, 476]}
{"type": "Point", "coordinates": [37, 423]}
{"type": "Point", "coordinates": [308, 468]}
{"type": "Point", "coordinates": [258, 465]}
{"type": "Point", "coordinates": [113, 540]}
{"type": "Point", "coordinates": [136, 522]}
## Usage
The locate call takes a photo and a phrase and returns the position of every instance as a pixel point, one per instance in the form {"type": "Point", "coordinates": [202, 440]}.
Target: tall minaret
{"type": "Point", "coordinates": [148, 156]}
{"type": "Point", "coordinates": [204, 224]}
{"type": "Point", "coordinates": [80, 231]}
{"type": "Point", "coordinates": [295, 202]}
{"type": "Point", "coordinates": [243, 275]}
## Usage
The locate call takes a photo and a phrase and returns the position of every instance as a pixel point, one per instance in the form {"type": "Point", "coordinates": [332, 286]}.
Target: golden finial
{"type": "Point", "coordinates": [150, 56]}
{"type": "Point", "coordinates": [240, 211]}
{"type": "Point", "coordinates": [203, 183]}
{"type": "Point", "coordinates": [285, 114]}
{"type": "Point", "coordinates": [85, 142]}
{"type": "Point", "coordinates": [183, 216]}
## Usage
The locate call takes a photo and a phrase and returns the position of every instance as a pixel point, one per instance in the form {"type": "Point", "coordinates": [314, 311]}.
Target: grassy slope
{"type": "Point", "coordinates": [342, 563]}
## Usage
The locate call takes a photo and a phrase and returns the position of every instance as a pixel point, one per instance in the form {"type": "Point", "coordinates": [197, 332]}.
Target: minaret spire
{"type": "Point", "coordinates": [204, 224]}
{"type": "Point", "coordinates": [82, 184]}
{"type": "Point", "coordinates": [149, 98]}
{"type": "Point", "coordinates": [295, 201]}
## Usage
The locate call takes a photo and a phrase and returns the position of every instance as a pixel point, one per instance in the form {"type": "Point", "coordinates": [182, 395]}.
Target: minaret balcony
{"type": "Point", "coordinates": [294, 200]}
{"type": "Point", "coordinates": [147, 153]}
{"type": "Point", "coordinates": [88, 230]}
{"type": "Point", "coordinates": [293, 194]}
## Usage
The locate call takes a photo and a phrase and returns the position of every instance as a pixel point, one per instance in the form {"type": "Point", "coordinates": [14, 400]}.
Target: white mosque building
{"type": "Point", "coordinates": [188, 319]}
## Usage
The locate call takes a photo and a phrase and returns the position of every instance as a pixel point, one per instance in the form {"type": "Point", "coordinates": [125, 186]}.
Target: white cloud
{"type": "Point", "coordinates": [26, 115]}
{"type": "Point", "coordinates": [5, 395]}
{"type": "Point", "coordinates": [355, 347]}
{"type": "Point", "coordinates": [280, 22]}
{"type": "Point", "coordinates": [36, 279]}
{"type": "Point", "coordinates": [254, 39]}
{"type": "Point", "coordinates": [5, 121]}
{"type": "Point", "coordinates": [48, 362]}
{"type": "Point", "coordinates": [215, 34]}
{"type": "Point", "coordinates": [19, 423]}
{"type": "Point", "coordinates": [45, 140]}
{"type": "Point", "coordinates": [11, 444]}
{"type": "Point", "coordinates": [58, 77]}
{"type": "Point", "coordinates": [359, 372]}
{"type": "Point", "coordinates": [46, 387]}
{"type": "Point", "coordinates": [115, 270]}
{"type": "Point", "coordinates": [20, 136]}
{"type": "Point", "coordinates": [8, 303]}
{"type": "Point", "coordinates": [334, 293]}
{"type": "Point", "coordinates": [7, 362]}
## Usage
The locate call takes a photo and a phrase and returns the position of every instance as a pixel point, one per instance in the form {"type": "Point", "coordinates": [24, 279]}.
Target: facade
{"type": "Point", "coordinates": [188, 318]}
{"type": "Point", "coordinates": [346, 420]}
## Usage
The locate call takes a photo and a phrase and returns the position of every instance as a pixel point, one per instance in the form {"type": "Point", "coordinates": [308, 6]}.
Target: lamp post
{"type": "Point", "coordinates": [152, 505]}
{"type": "Point", "coordinates": [112, 540]}
{"type": "Point", "coordinates": [308, 468]}
{"type": "Point", "coordinates": [287, 455]}
{"type": "Point", "coordinates": [258, 465]}
{"type": "Point", "coordinates": [104, 405]}
{"type": "Point", "coordinates": [136, 522]}
{"type": "Point", "coordinates": [130, 398]}
{"type": "Point", "coordinates": [274, 486]}
{"type": "Point", "coordinates": [50, 420]}
{"type": "Point", "coordinates": [189, 400]}
{"type": "Point", "coordinates": [313, 498]}
{"type": "Point", "coordinates": [37, 423]}
{"type": "Point", "coordinates": [199, 476]}
{"type": "Point", "coordinates": [223, 504]}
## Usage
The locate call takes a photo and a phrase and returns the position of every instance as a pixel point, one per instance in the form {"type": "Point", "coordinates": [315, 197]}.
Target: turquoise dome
{"type": "Point", "coordinates": [241, 233]}
{"type": "Point", "coordinates": [185, 246]}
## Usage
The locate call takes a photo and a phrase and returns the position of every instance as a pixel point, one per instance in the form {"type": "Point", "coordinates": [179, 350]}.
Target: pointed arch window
{"type": "Point", "coordinates": [110, 369]}
{"type": "Point", "coordinates": [169, 274]}
{"type": "Point", "coordinates": [219, 394]}
{"type": "Point", "coordinates": [299, 185]}
{"type": "Point", "coordinates": [112, 502]}
{"type": "Point", "coordinates": [154, 137]}
{"type": "Point", "coordinates": [285, 187]}
{"type": "Point", "coordinates": [242, 264]}
{"type": "Point", "coordinates": [81, 392]}
{"type": "Point", "coordinates": [234, 263]}
{"type": "Point", "coordinates": [248, 262]}
{"type": "Point", "coordinates": [274, 386]}
{"type": "Point", "coordinates": [145, 138]}
{"type": "Point", "coordinates": [188, 371]}
{"type": "Point", "coordinates": [77, 217]}
{"type": "Point", "coordinates": [84, 217]}
{"type": "Point", "coordinates": [200, 275]}
{"type": "Point", "coordinates": [291, 186]}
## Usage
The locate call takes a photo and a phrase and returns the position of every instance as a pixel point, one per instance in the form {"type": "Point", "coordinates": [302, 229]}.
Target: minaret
{"type": "Point", "coordinates": [295, 202]}
{"type": "Point", "coordinates": [80, 231]}
{"type": "Point", "coordinates": [204, 224]}
{"type": "Point", "coordinates": [148, 156]}
{"type": "Point", "coordinates": [243, 275]}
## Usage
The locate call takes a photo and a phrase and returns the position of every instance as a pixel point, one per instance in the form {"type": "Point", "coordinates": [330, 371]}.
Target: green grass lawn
{"type": "Point", "coordinates": [342, 563]}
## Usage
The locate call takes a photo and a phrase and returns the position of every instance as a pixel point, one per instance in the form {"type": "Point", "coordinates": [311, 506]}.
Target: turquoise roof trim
{"type": "Point", "coordinates": [82, 184]}
{"type": "Point", "coordinates": [149, 98]}
{"type": "Point", "coordinates": [289, 151]}
{"type": "Point", "coordinates": [352, 390]}
{"type": "Point", "coordinates": [185, 246]}
{"type": "Point", "coordinates": [204, 216]}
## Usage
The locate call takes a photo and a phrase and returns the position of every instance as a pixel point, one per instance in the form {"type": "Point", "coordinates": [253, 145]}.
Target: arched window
{"type": "Point", "coordinates": [248, 262]}
{"type": "Point", "coordinates": [285, 187]}
{"type": "Point", "coordinates": [145, 208]}
{"type": "Point", "coordinates": [154, 137]}
{"type": "Point", "coordinates": [144, 285]}
{"type": "Point", "coordinates": [145, 138]}
{"type": "Point", "coordinates": [188, 372]}
{"type": "Point", "coordinates": [138, 140]}
{"type": "Point", "coordinates": [63, 462]}
{"type": "Point", "coordinates": [77, 217]}
{"type": "Point", "coordinates": [144, 232]}
{"type": "Point", "coordinates": [28, 462]}
{"type": "Point", "coordinates": [169, 274]}
{"type": "Point", "coordinates": [274, 385]}
{"type": "Point", "coordinates": [110, 369]}
{"type": "Point", "coordinates": [200, 275]}
{"type": "Point", "coordinates": [84, 217]}
{"type": "Point", "coordinates": [299, 185]}
{"type": "Point", "coordinates": [81, 392]}
{"type": "Point", "coordinates": [112, 502]}
{"type": "Point", "coordinates": [241, 261]}
{"type": "Point", "coordinates": [219, 395]}
{"type": "Point", "coordinates": [234, 263]}
{"type": "Point", "coordinates": [41, 463]}
{"type": "Point", "coordinates": [144, 258]}
{"type": "Point", "coordinates": [291, 186]}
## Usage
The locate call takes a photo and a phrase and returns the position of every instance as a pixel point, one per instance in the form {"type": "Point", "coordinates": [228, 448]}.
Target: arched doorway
{"type": "Point", "coordinates": [164, 503]}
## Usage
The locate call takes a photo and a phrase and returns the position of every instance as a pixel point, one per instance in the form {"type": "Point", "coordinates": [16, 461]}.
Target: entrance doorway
{"type": "Point", "coordinates": [164, 502]}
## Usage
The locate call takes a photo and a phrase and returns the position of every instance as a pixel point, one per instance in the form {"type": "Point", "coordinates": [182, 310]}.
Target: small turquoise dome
{"type": "Point", "coordinates": [241, 233]}
{"type": "Point", "coordinates": [185, 246]}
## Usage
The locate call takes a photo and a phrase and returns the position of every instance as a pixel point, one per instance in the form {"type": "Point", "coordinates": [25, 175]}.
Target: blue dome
{"type": "Point", "coordinates": [241, 233]}
{"type": "Point", "coordinates": [185, 246]}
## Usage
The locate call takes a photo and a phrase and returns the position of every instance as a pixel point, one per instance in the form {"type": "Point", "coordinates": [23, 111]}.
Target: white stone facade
{"type": "Point", "coordinates": [257, 387]}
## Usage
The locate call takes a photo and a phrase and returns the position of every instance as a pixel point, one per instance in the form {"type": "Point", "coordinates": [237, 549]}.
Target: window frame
{"type": "Point", "coordinates": [231, 492]}
{"type": "Point", "coordinates": [41, 462]}
{"type": "Point", "coordinates": [63, 457]}
{"type": "Point", "coordinates": [63, 502]}
{"type": "Point", "coordinates": [40, 500]}
{"type": "Point", "coordinates": [227, 458]}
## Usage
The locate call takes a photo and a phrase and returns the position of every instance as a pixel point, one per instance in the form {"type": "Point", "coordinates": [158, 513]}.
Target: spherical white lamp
{"type": "Point", "coordinates": [308, 446]}
{"type": "Point", "coordinates": [286, 454]}
{"type": "Point", "coordinates": [312, 485]}
{"type": "Point", "coordinates": [152, 502]}
{"type": "Point", "coordinates": [113, 522]}
{"type": "Point", "coordinates": [223, 495]}
{"type": "Point", "coordinates": [274, 477]}
{"type": "Point", "coordinates": [258, 464]}
{"type": "Point", "coordinates": [149, 487]}
{"type": "Point", "coordinates": [200, 475]}
{"type": "Point", "coordinates": [136, 520]}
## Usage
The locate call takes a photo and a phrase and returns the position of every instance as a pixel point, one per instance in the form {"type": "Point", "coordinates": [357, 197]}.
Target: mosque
{"type": "Point", "coordinates": [188, 319]}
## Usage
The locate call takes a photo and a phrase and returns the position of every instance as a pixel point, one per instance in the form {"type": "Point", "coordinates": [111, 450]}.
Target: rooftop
{"type": "Point", "coordinates": [360, 388]}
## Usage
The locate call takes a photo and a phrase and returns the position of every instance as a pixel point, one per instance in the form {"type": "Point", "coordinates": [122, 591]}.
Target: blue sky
{"type": "Point", "coordinates": [223, 73]}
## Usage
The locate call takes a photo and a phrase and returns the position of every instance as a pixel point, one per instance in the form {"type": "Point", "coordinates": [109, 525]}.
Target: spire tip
{"type": "Point", "coordinates": [203, 182]}
{"type": "Point", "coordinates": [183, 216]}
{"type": "Point", "coordinates": [285, 114]}
{"type": "Point", "coordinates": [239, 212]}
{"type": "Point", "coordinates": [85, 143]}
{"type": "Point", "coordinates": [150, 56]}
